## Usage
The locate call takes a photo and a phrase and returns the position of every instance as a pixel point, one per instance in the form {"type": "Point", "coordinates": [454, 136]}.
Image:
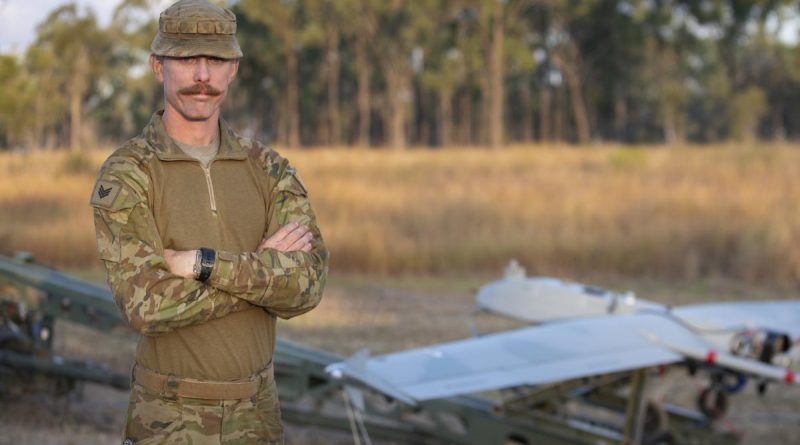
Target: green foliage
{"type": "Point", "coordinates": [78, 163]}
{"type": "Point", "coordinates": [15, 98]}
{"type": "Point", "coordinates": [628, 159]}
{"type": "Point", "coordinates": [624, 70]}
{"type": "Point", "coordinates": [746, 109]}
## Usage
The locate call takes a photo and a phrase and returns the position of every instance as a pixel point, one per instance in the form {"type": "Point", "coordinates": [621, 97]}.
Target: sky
{"type": "Point", "coordinates": [18, 20]}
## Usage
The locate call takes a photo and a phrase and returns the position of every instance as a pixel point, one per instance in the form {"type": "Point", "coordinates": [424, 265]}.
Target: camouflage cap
{"type": "Point", "coordinates": [196, 28]}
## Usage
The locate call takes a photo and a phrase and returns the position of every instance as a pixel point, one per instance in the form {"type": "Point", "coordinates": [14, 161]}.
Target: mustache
{"type": "Point", "coordinates": [200, 88]}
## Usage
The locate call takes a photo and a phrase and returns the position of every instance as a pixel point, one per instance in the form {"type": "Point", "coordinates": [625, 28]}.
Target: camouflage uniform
{"type": "Point", "coordinates": [150, 196]}
{"type": "Point", "coordinates": [161, 305]}
{"type": "Point", "coordinates": [130, 241]}
{"type": "Point", "coordinates": [154, 419]}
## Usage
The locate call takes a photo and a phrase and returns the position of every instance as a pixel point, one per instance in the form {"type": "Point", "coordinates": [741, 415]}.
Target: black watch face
{"type": "Point", "coordinates": [208, 258]}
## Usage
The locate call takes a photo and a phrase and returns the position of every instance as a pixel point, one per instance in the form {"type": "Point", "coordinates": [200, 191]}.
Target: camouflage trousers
{"type": "Point", "coordinates": [153, 419]}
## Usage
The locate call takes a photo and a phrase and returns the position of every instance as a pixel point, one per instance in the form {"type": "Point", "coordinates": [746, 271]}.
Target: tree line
{"type": "Point", "coordinates": [431, 72]}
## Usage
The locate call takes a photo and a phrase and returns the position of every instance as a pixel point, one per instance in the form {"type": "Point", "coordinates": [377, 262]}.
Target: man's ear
{"type": "Point", "coordinates": [234, 70]}
{"type": "Point", "coordinates": [157, 65]}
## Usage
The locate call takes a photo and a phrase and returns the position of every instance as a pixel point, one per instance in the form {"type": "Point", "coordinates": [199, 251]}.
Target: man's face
{"type": "Point", "coordinates": [194, 87]}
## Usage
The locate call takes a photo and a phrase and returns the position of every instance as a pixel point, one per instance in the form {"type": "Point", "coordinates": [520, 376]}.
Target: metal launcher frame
{"type": "Point", "coordinates": [608, 409]}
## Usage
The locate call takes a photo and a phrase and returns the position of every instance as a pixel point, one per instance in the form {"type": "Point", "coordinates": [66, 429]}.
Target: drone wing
{"type": "Point", "coordinates": [781, 316]}
{"type": "Point", "coordinates": [543, 354]}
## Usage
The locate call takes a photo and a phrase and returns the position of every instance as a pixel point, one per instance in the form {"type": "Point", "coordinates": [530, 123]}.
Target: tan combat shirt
{"type": "Point", "coordinates": [152, 196]}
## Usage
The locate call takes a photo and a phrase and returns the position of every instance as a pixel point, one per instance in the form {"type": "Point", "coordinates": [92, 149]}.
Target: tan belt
{"type": "Point", "coordinates": [173, 386]}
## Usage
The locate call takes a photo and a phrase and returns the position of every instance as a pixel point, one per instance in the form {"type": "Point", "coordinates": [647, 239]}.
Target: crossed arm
{"type": "Point", "coordinates": [290, 238]}
{"type": "Point", "coordinates": [155, 287]}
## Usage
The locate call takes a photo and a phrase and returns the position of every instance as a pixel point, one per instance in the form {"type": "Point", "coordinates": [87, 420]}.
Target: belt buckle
{"type": "Point", "coordinates": [170, 389]}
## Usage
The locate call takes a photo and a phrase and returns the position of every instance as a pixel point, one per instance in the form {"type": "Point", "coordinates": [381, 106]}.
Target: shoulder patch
{"type": "Point", "coordinates": [292, 171]}
{"type": "Point", "coordinates": [105, 192]}
{"type": "Point", "coordinates": [290, 182]}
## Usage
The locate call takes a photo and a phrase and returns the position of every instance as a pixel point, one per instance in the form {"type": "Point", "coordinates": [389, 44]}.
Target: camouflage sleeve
{"type": "Point", "coordinates": [152, 299]}
{"type": "Point", "coordinates": [287, 284]}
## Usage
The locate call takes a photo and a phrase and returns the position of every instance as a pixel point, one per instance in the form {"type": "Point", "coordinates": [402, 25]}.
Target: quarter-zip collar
{"type": "Point", "coordinates": [167, 150]}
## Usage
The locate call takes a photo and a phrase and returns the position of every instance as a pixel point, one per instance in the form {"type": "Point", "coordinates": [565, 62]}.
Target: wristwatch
{"type": "Point", "coordinates": [204, 263]}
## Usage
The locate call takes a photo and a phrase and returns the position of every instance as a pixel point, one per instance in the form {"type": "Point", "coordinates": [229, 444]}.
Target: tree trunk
{"type": "Point", "coordinates": [39, 124]}
{"type": "Point", "coordinates": [620, 117]}
{"type": "Point", "coordinates": [363, 68]}
{"type": "Point", "coordinates": [674, 125]}
{"type": "Point", "coordinates": [473, 129]}
{"type": "Point", "coordinates": [670, 128]}
{"type": "Point", "coordinates": [334, 130]}
{"type": "Point", "coordinates": [480, 134]}
{"type": "Point", "coordinates": [397, 84]}
{"type": "Point", "coordinates": [282, 128]}
{"type": "Point", "coordinates": [526, 132]}
{"type": "Point", "coordinates": [75, 119]}
{"type": "Point", "coordinates": [257, 120]}
{"type": "Point", "coordinates": [545, 116]}
{"type": "Point", "coordinates": [292, 95]}
{"type": "Point", "coordinates": [574, 85]}
{"type": "Point", "coordinates": [446, 117]}
{"type": "Point", "coordinates": [465, 135]}
{"type": "Point", "coordinates": [77, 89]}
{"type": "Point", "coordinates": [496, 91]}
{"type": "Point", "coordinates": [581, 116]}
{"type": "Point", "coordinates": [778, 129]}
{"type": "Point", "coordinates": [322, 134]}
{"type": "Point", "coordinates": [558, 115]}
{"type": "Point", "coordinates": [422, 123]}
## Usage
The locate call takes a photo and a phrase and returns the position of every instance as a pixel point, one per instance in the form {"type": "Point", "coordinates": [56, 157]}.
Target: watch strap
{"type": "Point", "coordinates": [208, 258]}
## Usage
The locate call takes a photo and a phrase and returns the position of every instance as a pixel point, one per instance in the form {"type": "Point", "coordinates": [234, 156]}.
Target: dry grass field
{"type": "Point", "coordinates": [677, 214]}
{"type": "Point", "coordinates": [424, 228]}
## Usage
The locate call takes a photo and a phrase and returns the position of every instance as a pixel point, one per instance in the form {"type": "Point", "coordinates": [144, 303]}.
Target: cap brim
{"type": "Point", "coordinates": [223, 46]}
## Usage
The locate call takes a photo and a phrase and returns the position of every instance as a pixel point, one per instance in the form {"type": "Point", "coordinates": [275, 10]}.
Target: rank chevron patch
{"type": "Point", "coordinates": [105, 193]}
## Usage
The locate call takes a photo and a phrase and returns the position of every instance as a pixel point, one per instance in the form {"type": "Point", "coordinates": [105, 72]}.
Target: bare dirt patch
{"type": "Point", "coordinates": [383, 316]}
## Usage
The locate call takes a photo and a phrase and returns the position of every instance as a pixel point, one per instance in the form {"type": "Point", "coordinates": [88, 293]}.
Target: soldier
{"type": "Point", "coordinates": [207, 237]}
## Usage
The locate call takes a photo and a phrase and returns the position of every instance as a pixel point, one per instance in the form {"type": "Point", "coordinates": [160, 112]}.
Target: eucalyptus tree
{"type": "Point", "coordinates": [774, 68]}
{"type": "Point", "coordinates": [455, 71]}
{"type": "Point", "coordinates": [443, 75]}
{"type": "Point", "coordinates": [286, 20]}
{"type": "Point", "coordinates": [404, 25]}
{"type": "Point", "coordinates": [128, 91]}
{"type": "Point", "coordinates": [496, 15]}
{"type": "Point", "coordinates": [564, 53]}
{"type": "Point", "coordinates": [523, 59]}
{"type": "Point", "coordinates": [360, 27]}
{"type": "Point", "coordinates": [332, 20]}
{"type": "Point", "coordinates": [16, 97]}
{"type": "Point", "coordinates": [701, 48]}
{"type": "Point", "coordinates": [72, 52]}
{"type": "Point", "coordinates": [49, 105]}
{"type": "Point", "coordinates": [498, 28]}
